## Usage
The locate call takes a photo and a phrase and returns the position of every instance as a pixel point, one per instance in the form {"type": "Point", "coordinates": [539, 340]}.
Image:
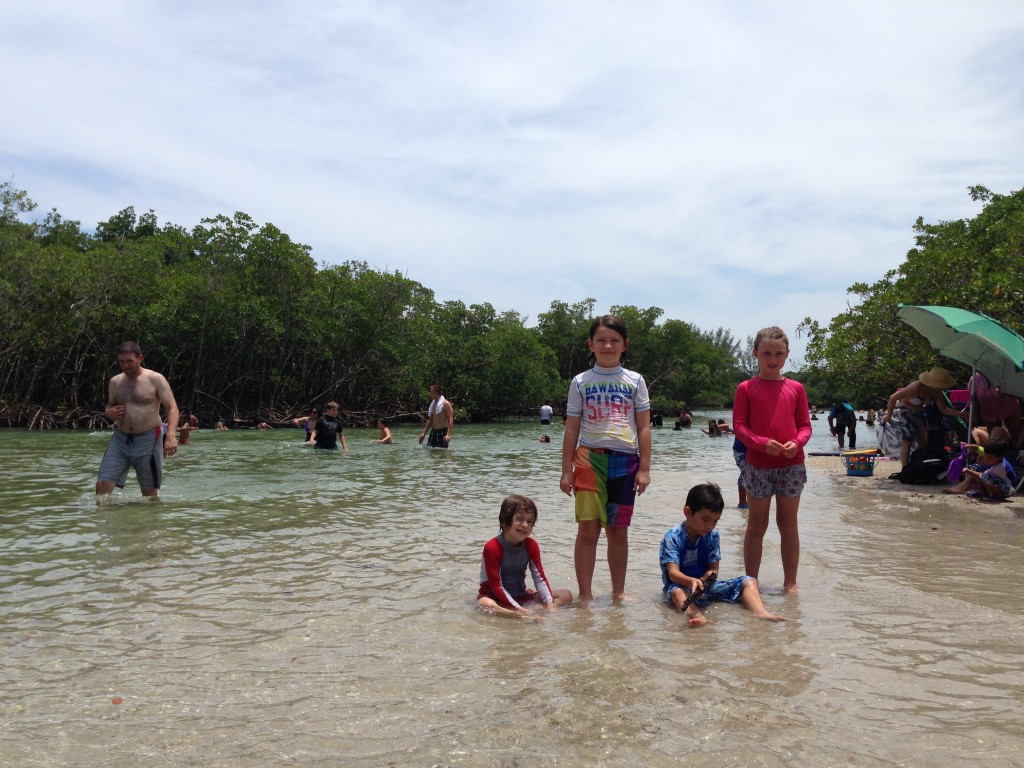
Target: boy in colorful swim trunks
{"type": "Point", "coordinates": [691, 551]}
{"type": "Point", "coordinates": [506, 559]}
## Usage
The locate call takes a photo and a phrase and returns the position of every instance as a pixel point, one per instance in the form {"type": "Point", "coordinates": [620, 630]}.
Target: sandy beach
{"type": "Point", "coordinates": [833, 467]}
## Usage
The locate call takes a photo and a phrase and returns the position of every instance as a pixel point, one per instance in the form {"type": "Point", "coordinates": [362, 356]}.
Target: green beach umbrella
{"type": "Point", "coordinates": [973, 339]}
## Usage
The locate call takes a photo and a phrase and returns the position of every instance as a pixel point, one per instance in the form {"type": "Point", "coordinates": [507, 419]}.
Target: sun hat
{"type": "Point", "coordinates": [939, 378]}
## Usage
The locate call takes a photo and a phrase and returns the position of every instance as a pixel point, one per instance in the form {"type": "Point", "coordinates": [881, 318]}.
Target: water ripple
{"type": "Point", "coordinates": [285, 606]}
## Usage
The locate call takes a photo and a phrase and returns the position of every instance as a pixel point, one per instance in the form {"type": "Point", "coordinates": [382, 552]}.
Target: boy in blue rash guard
{"type": "Point", "coordinates": [691, 551]}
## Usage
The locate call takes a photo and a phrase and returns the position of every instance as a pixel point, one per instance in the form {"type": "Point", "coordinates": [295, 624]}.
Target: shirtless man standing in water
{"type": "Point", "coordinates": [133, 403]}
{"type": "Point", "coordinates": [440, 419]}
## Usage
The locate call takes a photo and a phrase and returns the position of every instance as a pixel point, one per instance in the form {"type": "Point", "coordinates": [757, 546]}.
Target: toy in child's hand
{"type": "Point", "coordinates": [709, 578]}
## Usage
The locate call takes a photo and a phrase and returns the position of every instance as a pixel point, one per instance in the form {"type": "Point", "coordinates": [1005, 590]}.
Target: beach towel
{"type": "Point", "coordinates": [436, 406]}
{"type": "Point", "coordinates": [993, 404]}
{"type": "Point", "coordinates": [890, 438]}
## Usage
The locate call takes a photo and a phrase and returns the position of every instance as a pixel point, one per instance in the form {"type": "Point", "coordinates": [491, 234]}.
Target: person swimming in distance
{"type": "Point", "coordinates": [385, 437]}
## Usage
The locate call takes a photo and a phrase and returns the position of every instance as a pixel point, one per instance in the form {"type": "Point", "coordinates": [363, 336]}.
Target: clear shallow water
{"type": "Point", "coordinates": [288, 607]}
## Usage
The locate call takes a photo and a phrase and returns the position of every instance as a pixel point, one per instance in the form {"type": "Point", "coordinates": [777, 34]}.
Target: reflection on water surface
{"type": "Point", "coordinates": [284, 606]}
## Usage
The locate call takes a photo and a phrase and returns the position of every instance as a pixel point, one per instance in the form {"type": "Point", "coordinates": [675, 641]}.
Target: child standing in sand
{"type": "Point", "coordinates": [506, 559]}
{"type": "Point", "coordinates": [692, 550]}
{"type": "Point", "coordinates": [606, 453]}
{"type": "Point", "coordinates": [770, 416]}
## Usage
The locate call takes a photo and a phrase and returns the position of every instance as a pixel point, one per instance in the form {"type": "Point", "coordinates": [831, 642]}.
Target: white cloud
{"type": "Point", "coordinates": [736, 164]}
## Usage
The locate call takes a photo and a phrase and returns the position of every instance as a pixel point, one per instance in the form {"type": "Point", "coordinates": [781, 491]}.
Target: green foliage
{"type": "Point", "coordinates": [683, 366]}
{"type": "Point", "coordinates": [14, 203]}
{"type": "Point", "coordinates": [745, 360]}
{"type": "Point", "coordinates": [865, 353]}
{"type": "Point", "coordinates": [564, 329]}
{"type": "Point", "coordinates": [245, 325]}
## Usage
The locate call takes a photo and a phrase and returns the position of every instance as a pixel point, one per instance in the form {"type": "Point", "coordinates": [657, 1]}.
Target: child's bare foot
{"type": "Point", "coordinates": [791, 589]}
{"type": "Point", "coordinates": [954, 489]}
{"type": "Point", "coordinates": [696, 621]}
{"type": "Point", "coordinates": [769, 615]}
{"type": "Point", "coordinates": [622, 597]}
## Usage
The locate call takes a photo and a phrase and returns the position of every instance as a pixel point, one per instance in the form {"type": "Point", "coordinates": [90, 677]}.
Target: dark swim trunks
{"type": "Point", "coordinates": [436, 438]}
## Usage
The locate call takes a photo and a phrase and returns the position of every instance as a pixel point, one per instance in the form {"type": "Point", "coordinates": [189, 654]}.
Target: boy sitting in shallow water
{"type": "Point", "coordinates": [691, 551]}
{"type": "Point", "coordinates": [506, 559]}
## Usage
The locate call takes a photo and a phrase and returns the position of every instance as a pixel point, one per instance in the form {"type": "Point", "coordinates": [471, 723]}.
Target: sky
{"type": "Point", "coordinates": [737, 164]}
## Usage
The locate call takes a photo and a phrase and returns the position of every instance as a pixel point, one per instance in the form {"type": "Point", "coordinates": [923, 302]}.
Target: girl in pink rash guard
{"type": "Point", "coordinates": [770, 416]}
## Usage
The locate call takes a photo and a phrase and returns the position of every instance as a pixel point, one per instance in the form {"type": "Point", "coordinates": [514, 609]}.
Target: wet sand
{"type": "Point", "coordinates": [833, 467]}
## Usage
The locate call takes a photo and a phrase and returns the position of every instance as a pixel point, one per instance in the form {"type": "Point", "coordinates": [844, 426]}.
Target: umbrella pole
{"type": "Point", "coordinates": [970, 415]}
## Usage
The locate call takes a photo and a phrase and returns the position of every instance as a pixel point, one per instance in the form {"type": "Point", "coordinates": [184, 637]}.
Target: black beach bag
{"type": "Point", "coordinates": [925, 468]}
